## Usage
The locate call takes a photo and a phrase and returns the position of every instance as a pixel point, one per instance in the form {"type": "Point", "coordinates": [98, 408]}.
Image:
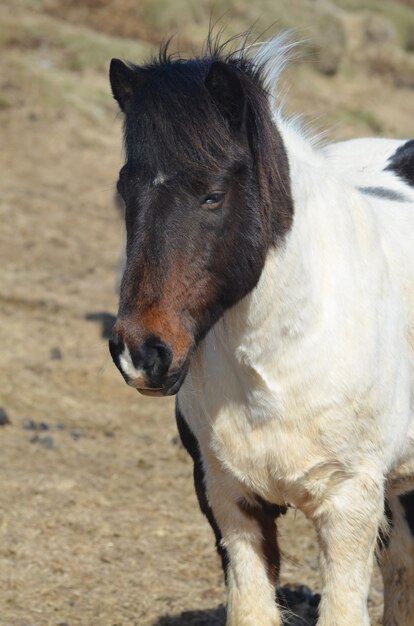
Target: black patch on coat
{"type": "Point", "coordinates": [402, 162]}
{"type": "Point", "coordinates": [190, 443]}
{"type": "Point", "coordinates": [407, 502]}
{"type": "Point", "coordinates": [265, 515]}
{"type": "Point", "coordinates": [384, 193]}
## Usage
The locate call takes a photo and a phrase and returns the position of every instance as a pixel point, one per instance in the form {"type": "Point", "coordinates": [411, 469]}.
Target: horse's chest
{"type": "Point", "coordinates": [287, 433]}
{"type": "Point", "coordinates": [269, 459]}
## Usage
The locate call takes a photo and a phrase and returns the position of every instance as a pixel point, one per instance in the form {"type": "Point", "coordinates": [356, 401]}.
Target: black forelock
{"type": "Point", "coordinates": [171, 117]}
{"type": "Point", "coordinates": [174, 120]}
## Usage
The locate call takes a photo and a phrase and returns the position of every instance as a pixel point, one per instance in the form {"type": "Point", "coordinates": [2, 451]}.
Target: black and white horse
{"type": "Point", "coordinates": [269, 283]}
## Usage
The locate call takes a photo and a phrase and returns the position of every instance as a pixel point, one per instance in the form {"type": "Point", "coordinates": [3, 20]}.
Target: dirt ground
{"type": "Point", "coordinates": [98, 520]}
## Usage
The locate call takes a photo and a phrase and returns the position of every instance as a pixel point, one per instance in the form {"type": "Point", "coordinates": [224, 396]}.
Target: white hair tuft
{"type": "Point", "coordinates": [272, 56]}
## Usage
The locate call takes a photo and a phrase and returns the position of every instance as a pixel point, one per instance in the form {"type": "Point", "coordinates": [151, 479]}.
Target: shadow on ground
{"type": "Point", "coordinates": [209, 617]}
{"type": "Point", "coordinates": [105, 321]}
{"type": "Point", "coordinates": [217, 617]}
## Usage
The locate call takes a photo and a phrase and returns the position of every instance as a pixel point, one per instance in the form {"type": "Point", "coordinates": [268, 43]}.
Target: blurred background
{"type": "Point", "coordinates": [98, 520]}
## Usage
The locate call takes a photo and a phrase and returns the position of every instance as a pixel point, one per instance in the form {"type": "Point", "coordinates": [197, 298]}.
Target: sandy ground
{"type": "Point", "coordinates": [98, 519]}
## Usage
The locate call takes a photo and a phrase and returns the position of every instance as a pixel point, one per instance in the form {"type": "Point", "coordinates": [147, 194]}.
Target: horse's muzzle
{"type": "Point", "coordinates": [147, 368]}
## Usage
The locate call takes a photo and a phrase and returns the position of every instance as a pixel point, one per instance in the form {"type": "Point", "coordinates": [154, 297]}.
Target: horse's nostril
{"type": "Point", "coordinates": [154, 357]}
{"type": "Point", "coordinates": [146, 364]}
{"type": "Point", "coordinates": [163, 356]}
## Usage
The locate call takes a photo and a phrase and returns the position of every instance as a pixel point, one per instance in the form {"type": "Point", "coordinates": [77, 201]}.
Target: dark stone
{"type": "Point", "coordinates": [56, 354]}
{"type": "Point", "coordinates": [29, 424]}
{"type": "Point", "coordinates": [4, 418]}
{"type": "Point", "coordinates": [45, 442]}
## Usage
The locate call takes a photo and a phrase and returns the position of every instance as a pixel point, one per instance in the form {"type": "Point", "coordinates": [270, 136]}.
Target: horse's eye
{"type": "Point", "coordinates": [214, 200]}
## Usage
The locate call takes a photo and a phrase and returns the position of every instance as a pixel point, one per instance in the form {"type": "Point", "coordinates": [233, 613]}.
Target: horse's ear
{"type": "Point", "coordinates": [226, 90]}
{"type": "Point", "coordinates": [124, 81]}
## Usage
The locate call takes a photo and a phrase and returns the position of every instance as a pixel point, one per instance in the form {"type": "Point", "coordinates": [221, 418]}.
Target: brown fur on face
{"type": "Point", "coordinates": [165, 307]}
{"type": "Point", "coordinates": [158, 322]}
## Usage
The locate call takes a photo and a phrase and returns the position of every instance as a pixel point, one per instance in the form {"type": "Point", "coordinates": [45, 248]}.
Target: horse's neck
{"type": "Point", "coordinates": [299, 272]}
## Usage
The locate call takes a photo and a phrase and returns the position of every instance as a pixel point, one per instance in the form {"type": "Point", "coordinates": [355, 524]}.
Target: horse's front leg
{"type": "Point", "coordinates": [249, 539]}
{"type": "Point", "coordinates": [245, 535]}
{"type": "Point", "coordinates": [347, 524]}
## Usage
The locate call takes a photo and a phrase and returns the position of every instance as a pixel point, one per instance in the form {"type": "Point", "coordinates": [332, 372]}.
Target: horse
{"type": "Point", "coordinates": [269, 284]}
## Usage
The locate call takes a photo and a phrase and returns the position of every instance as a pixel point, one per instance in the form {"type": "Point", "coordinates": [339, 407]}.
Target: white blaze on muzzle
{"type": "Point", "coordinates": [127, 366]}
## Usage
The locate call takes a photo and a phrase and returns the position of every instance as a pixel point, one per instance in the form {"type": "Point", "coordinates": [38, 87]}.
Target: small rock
{"type": "Point", "coordinates": [409, 46]}
{"type": "Point", "coordinates": [60, 427]}
{"type": "Point", "coordinates": [378, 30]}
{"type": "Point", "coordinates": [46, 442]}
{"type": "Point", "coordinates": [75, 434]}
{"type": "Point", "coordinates": [56, 354]}
{"type": "Point", "coordinates": [176, 441]}
{"type": "Point", "coordinates": [4, 419]}
{"type": "Point", "coordinates": [29, 424]}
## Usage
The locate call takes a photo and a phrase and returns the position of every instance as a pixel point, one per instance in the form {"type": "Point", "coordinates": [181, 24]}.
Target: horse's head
{"type": "Point", "coordinates": [206, 192]}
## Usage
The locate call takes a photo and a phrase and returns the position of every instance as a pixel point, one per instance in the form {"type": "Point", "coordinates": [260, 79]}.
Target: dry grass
{"type": "Point", "coordinates": [103, 527]}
